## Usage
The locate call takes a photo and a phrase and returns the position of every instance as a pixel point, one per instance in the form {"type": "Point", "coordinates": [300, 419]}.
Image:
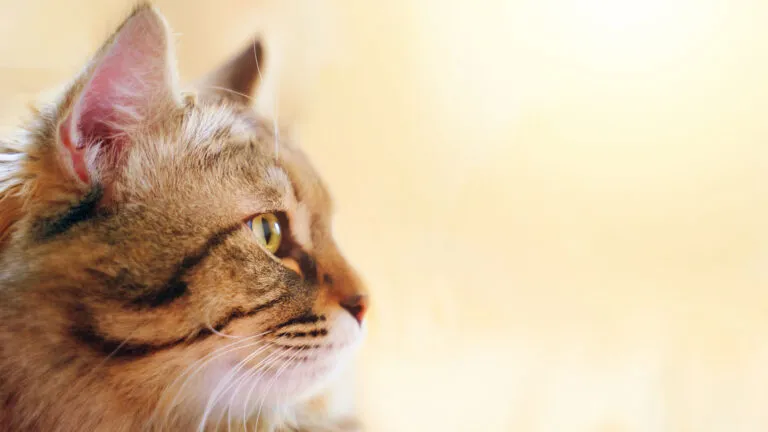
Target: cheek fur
{"type": "Point", "coordinates": [284, 367]}
{"type": "Point", "coordinates": [312, 361]}
{"type": "Point", "coordinates": [245, 375]}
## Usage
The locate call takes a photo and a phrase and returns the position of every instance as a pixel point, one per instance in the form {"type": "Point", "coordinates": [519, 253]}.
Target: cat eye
{"type": "Point", "coordinates": [268, 230]}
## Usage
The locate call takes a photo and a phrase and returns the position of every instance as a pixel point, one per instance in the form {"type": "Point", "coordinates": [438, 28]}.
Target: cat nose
{"type": "Point", "coordinates": [356, 304]}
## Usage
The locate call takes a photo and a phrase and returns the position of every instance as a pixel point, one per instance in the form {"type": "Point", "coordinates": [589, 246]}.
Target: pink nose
{"type": "Point", "coordinates": [356, 305]}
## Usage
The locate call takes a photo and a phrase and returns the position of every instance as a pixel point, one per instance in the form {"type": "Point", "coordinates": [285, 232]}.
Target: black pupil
{"type": "Point", "coordinates": [267, 229]}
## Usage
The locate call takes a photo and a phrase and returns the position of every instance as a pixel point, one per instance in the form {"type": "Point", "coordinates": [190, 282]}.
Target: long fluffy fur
{"type": "Point", "coordinates": [198, 163]}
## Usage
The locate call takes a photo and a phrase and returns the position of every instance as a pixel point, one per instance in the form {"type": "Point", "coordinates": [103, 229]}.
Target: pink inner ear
{"type": "Point", "coordinates": [76, 155]}
{"type": "Point", "coordinates": [119, 94]}
{"type": "Point", "coordinates": [126, 85]}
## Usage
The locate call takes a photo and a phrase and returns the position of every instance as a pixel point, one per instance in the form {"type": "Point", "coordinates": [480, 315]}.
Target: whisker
{"type": "Point", "coordinates": [256, 57]}
{"type": "Point", "coordinates": [193, 369]}
{"type": "Point", "coordinates": [246, 376]}
{"type": "Point", "coordinates": [109, 356]}
{"type": "Point", "coordinates": [271, 383]}
{"type": "Point", "coordinates": [226, 383]}
{"type": "Point", "coordinates": [275, 125]}
{"type": "Point", "coordinates": [230, 375]}
{"type": "Point", "coordinates": [218, 333]}
{"type": "Point", "coordinates": [235, 92]}
{"type": "Point", "coordinates": [280, 397]}
{"type": "Point", "coordinates": [84, 380]}
{"type": "Point", "coordinates": [274, 117]}
{"type": "Point", "coordinates": [231, 401]}
{"type": "Point", "coordinates": [214, 396]}
{"type": "Point", "coordinates": [273, 358]}
{"type": "Point", "coordinates": [203, 362]}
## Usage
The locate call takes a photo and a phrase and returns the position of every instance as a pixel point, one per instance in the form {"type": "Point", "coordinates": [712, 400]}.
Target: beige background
{"type": "Point", "coordinates": [560, 205]}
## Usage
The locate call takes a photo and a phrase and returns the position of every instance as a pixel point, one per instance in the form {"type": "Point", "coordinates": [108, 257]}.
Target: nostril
{"type": "Point", "coordinates": [356, 305]}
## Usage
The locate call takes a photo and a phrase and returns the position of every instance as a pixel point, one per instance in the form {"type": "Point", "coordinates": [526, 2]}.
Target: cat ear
{"type": "Point", "coordinates": [130, 82]}
{"type": "Point", "coordinates": [238, 78]}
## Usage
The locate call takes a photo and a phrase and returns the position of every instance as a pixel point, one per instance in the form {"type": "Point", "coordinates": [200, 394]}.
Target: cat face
{"type": "Point", "coordinates": [174, 239]}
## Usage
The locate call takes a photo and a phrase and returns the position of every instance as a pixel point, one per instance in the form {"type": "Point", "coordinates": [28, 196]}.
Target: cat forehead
{"type": "Point", "coordinates": [218, 124]}
{"type": "Point", "coordinates": [226, 127]}
{"type": "Point", "coordinates": [286, 169]}
{"type": "Point", "coordinates": [204, 122]}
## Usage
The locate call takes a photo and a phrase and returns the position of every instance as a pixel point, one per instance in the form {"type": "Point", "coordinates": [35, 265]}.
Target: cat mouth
{"type": "Point", "coordinates": [278, 372]}
{"type": "Point", "coordinates": [292, 375]}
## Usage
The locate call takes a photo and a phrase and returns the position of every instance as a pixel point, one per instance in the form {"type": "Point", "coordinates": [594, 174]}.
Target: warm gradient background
{"type": "Point", "coordinates": [560, 205]}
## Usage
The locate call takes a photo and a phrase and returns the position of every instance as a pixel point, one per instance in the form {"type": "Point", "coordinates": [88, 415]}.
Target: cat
{"type": "Point", "coordinates": [165, 262]}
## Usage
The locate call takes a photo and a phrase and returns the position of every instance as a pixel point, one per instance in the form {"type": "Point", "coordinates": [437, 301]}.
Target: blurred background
{"type": "Point", "coordinates": [560, 206]}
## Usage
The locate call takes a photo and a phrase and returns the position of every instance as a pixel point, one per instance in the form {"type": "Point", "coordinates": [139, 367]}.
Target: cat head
{"type": "Point", "coordinates": [154, 230]}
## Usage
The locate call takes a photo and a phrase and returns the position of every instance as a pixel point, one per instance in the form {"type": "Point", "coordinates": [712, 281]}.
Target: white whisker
{"type": "Point", "coordinates": [193, 369]}
{"type": "Point", "coordinates": [246, 376]}
{"type": "Point", "coordinates": [276, 128]}
{"type": "Point", "coordinates": [218, 333]}
{"type": "Point", "coordinates": [108, 357]}
{"type": "Point", "coordinates": [274, 117]}
{"type": "Point", "coordinates": [203, 362]}
{"type": "Point", "coordinates": [262, 369]}
{"type": "Point", "coordinates": [256, 57]}
{"type": "Point", "coordinates": [231, 374]}
{"type": "Point", "coordinates": [272, 382]}
{"type": "Point", "coordinates": [224, 385]}
{"type": "Point", "coordinates": [235, 92]}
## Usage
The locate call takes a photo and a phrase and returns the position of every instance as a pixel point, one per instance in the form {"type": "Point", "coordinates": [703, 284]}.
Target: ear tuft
{"type": "Point", "coordinates": [131, 81]}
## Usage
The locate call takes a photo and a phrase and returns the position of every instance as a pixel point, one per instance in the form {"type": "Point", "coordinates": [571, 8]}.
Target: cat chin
{"type": "Point", "coordinates": [258, 392]}
{"type": "Point", "coordinates": [309, 372]}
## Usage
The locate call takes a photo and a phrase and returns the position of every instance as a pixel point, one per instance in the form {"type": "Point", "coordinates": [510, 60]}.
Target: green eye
{"type": "Point", "coordinates": [267, 229]}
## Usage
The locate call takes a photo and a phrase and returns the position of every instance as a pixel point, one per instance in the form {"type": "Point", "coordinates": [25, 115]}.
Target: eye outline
{"type": "Point", "coordinates": [289, 251]}
{"type": "Point", "coordinates": [279, 219]}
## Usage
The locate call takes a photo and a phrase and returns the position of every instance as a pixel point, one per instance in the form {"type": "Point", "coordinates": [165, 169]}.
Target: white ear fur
{"type": "Point", "coordinates": [130, 81]}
